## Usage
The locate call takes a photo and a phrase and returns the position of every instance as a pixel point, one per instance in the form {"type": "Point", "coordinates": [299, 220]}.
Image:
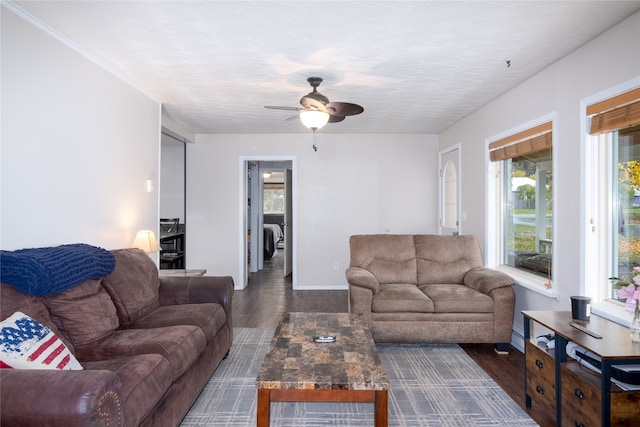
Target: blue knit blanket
{"type": "Point", "coordinates": [47, 271]}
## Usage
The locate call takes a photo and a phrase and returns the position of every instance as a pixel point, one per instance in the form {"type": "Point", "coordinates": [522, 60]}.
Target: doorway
{"type": "Point", "coordinates": [449, 190]}
{"type": "Point", "coordinates": [268, 212]}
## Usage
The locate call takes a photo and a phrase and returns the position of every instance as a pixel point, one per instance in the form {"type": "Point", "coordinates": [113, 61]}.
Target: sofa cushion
{"type": "Point", "coordinates": [133, 285]}
{"type": "Point", "coordinates": [180, 345]}
{"type": "Point", "coordinates": [445, 259]}
{"type": "Point", "coordinates": [84, 314]}
{"type": "Point", "coordinates": [457, 299]}
{"type": "Point", "coordinates": [390, 258]}
{"type": "Point", "coordinates": [210, 318]}
{"type": "Point", "coordinates": [401, 298]}
{"type": "Point", "coordinates": [12, 300]}
{"type": "Point", "coordinates": [144, 378]}
{"type": "Point", "coordinates": [26, 343]}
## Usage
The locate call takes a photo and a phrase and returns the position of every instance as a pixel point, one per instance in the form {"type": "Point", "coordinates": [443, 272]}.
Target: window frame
{"type": "Point", "coordinates": [598, 209]}
{"type": "Point", "coordinates": [494, 249]}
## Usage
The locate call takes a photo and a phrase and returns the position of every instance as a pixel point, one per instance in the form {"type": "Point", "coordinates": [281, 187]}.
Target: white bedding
{"type": "Point", "coordinates": [277, 232]}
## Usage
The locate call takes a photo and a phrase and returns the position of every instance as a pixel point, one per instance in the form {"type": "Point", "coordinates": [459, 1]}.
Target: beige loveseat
{"type": "Point", "coordinates": [429, 288]}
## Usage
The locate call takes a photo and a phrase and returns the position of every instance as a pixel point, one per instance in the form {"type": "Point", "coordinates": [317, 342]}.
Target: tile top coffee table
{"type": "Point", "coordinates": [297, 369]}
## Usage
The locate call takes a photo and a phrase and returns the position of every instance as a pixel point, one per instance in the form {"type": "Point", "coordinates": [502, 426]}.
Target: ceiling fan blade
{"type": "Point", "coordinates": [312, 104]}
{"type": "Point", "coordinates": [277, 107]}
{"type": "Point", "coordinates": [288, 119]}
{"type": "Point", "coordinates": [344, 109]}
{"type": "Point", "coordinates": [335, 119]}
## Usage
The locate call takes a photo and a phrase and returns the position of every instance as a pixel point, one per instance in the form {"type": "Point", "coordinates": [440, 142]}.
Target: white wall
{"type": "Point", "coordinates": [609, 60]}
{"type": "Point", "coordinates": [77, 146]}
{"type": "Point", "coordinates": [352, 184]}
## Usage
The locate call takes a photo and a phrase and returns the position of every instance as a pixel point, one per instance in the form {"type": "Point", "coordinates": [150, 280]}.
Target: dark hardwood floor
{"type": "Point", "coordinates": [269, 294]}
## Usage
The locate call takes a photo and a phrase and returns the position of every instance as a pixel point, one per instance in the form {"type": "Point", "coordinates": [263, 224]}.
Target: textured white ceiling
{"type": "Point", "coordinates": [415, 66]}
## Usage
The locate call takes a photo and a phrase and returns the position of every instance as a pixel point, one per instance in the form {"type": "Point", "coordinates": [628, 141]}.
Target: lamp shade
{"type": "Point", "coordinates": [146, 240]}
{"type": "Point", "coordinates": [314, 119]}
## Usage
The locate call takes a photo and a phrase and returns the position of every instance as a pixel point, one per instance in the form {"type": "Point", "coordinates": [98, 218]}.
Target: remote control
{"type": "Point", "coordinates": [585, 330]}
{"type": "Point", "coordinates": [324, 338]}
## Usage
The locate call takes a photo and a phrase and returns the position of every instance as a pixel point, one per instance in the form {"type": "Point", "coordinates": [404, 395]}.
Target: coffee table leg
{"type": "Point", "coordinates": [264, 407]}
{"type": "Point", "coordinates": [381, 410]}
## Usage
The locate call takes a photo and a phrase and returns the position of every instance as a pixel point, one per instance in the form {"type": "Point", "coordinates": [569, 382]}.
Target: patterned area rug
{"type": "Point", "coordinates": [431, 385]}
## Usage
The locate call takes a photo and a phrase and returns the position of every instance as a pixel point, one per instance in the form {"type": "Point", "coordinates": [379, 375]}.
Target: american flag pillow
{"type": "Point", "coordinates": [25, 343]}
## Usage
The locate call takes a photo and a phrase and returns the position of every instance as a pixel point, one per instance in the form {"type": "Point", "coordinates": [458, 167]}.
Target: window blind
{"type": "Point", "coordinates": [615, 113]}
{"type": "Point", "coordinates": [537, 138]}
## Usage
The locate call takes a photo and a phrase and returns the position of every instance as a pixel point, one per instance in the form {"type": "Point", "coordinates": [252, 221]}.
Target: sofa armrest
{"type": "Point", "coordinates": [357, 276]}
{"type": "Point", "coordinates": [175, 290]}
{"type": "Point", "coordinates": [485, 280]}
{"type": "Point", "coordinates": [55, 398]}
{"type": "Point", "coordinates": [362, 286]}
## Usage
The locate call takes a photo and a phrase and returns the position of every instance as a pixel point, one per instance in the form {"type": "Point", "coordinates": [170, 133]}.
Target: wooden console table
{"type": "Point", "coordinates": [580, 396]}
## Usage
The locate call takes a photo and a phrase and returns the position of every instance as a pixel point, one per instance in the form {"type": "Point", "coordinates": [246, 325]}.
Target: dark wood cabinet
{"type": "Point", "coordinates": [578, 395]}
{"type": "Point", "coordinates": [172, 253]}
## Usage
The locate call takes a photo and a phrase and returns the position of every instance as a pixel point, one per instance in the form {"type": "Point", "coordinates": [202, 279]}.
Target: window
{"type": "Point", "coordinates": [613, 170]}
{"type": "Point", "coordinates": [273, 199]}
{"type": "Point", "coordinates": [625, 240]}
{"type": "Point", "coordinates": [524, 197]}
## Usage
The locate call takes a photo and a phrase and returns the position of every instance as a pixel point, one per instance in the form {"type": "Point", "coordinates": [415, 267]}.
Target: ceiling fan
{"type": "Point", "coordinates": [316, 109]}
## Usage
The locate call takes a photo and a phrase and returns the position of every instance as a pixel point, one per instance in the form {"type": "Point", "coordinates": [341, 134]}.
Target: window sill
{"type": "Point", "coordinates": [529, 281]}
{"type": "Point", "coordinates": [611, 311]}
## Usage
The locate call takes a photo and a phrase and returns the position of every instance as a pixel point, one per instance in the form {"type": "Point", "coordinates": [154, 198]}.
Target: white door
{"type": "Point", "coordinates": [288, 222]}
{"type": "Point", "coordinates": [254, 211]}
{"type": "Point", "coordinates": [450, 191]}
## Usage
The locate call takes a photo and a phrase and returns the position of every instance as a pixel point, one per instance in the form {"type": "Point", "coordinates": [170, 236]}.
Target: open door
{"type": "Point", "coordinates": [450, 192]}
{"type": "Point", "coordinates": [288, 222]}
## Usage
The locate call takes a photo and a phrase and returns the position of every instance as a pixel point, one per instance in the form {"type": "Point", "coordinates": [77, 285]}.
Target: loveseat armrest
{"type": "Point", "coordinates": [485, 280]}
{"type": "Point", "coordinates": [175, 290]}
{"type": "Point", "coordinates": [31, 397]}
{"type": "Point", "coordinates": [357, 276]}
{"type": "Point", "coordinates": [362, 286]}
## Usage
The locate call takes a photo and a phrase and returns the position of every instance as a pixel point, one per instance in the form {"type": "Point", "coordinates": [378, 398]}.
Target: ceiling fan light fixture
{"type": "Point", "coordinates": [314, 119]}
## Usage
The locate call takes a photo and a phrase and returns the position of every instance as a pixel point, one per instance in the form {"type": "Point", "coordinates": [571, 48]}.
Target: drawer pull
{"type": "Point", "coordinates": [538, 363]}
{"type": "Point", "coordinates": [539, 389]}
{"type": "Point", "coordinates": [580, 395]}
{"type": "Point", "coordinates": [578, 423]}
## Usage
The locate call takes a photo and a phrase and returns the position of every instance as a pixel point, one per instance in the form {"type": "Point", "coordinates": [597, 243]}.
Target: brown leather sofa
{"type": "Point", "coordinates": [147, 345]}
{"type": "Point", "coordinates": [429, 288]}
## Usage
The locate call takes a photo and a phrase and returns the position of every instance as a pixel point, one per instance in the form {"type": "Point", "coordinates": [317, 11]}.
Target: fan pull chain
{"type": "Point", "coordinates": [315, 148]}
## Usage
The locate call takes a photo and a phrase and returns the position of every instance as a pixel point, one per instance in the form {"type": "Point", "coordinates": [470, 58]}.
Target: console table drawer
{"type": "Point", "coordinates": [540, 377]}
{"type": "Point", "coordinates": [581, 398]}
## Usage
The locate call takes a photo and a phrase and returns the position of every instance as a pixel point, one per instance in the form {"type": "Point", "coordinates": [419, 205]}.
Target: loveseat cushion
{"type": "Point", "coordinates": [390, 258]}
{"type": "Point", "coordinates": [84, 314]}
{"type": "Point", "coordinates": [133, 285]}
{"type": "Point", "coordinates": [11, 301]}
{"type": "Point", "coordinates": [180, 345]}
{"type": "Point", "coordinates": [401, 298]}
{"type": "Point", "coordinates": [210, 318]}
{"type": "Point", "coordinates": [445, 259]}
{"type": "Point", "coordinates": [144, 378]}
{"type": "Point", "coordinates": [458, 299]}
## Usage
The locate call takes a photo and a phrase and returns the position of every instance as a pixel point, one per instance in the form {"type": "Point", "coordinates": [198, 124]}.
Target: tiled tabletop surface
{"type": "Point", "coordinates": [295, 361]}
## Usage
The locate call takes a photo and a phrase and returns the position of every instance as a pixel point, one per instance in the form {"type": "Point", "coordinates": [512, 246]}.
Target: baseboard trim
{"type": "Point", "coordinates": [321, 288]}
{"type": "Point", "coordinates": [517, 339]}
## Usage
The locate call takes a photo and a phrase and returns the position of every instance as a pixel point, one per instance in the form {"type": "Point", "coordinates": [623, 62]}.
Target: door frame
{"type": "Point", "coordinates": [243, 267]}
{"type": "Point", "coordinates": [459, 214]}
